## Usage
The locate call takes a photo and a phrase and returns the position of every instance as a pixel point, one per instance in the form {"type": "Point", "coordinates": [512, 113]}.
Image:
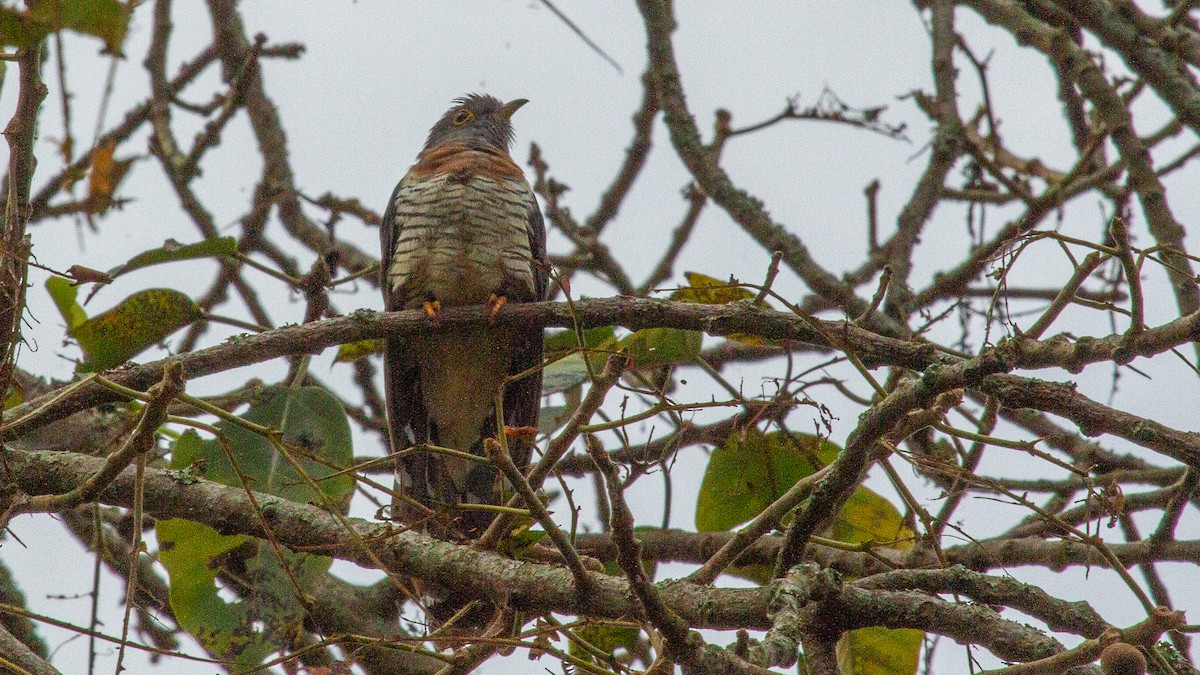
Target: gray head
{"type": "Point", "coordinates": [476, 119]}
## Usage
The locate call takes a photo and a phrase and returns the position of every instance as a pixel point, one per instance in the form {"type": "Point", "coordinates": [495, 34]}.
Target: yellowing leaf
{"type": "Point", "coordinates": [141, 320]}
{"type": "Point", "coordinates": [15, 29]}
{"type": "Point", "coordinates": [749, 472]}
{"type": "Point", "coordinates": [105, 19]}
{"type": "Point", "coordinates": [353, 351]}
{"type": "Point", "coordinates": [106, 174]}
{"type": "Point", "coordinates": [867, 516]}
{"type": "Point", "coordinates": [880, 651]}
{"type": "Point", "coordinates": [16, 396]}
{"type": "Point", "coordinates": [706, 290]}
{"type": "Point", "coordinates": [753, 469]}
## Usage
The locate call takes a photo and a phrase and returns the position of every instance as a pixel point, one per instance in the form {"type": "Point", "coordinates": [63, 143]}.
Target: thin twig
{"type": "Point", "coordinates": [558, 447]}
{"type": "Point", "coordinates": [582, 36]}
{"type": "Point", "coordinates": [499, 456]}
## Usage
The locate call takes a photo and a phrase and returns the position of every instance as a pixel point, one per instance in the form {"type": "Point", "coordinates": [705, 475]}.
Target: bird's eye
{"type": "Point", "coordinates": [462, 117]}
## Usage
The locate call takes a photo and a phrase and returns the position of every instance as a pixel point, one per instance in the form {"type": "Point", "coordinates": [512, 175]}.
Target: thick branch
{"type": "Point", "coordinates": [632, 313]}
{"type": "Point", "coordinates": [14, 246]}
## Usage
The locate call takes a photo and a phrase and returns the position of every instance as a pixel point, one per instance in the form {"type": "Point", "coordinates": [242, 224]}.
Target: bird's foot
{"type": "Point", "coordinates": [433, 308]}
{"type": "Point", "coordinates": [521, 433]}
{"type": "Point", "coordinates": [494, 303]}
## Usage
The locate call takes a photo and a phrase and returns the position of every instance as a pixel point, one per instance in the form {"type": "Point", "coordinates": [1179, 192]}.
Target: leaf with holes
{"type": "Point", "coordinates": [270, 615]}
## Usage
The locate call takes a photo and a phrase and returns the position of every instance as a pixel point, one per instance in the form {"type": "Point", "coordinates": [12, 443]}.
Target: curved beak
{"type": "Point", "coordinates": [506, 111]}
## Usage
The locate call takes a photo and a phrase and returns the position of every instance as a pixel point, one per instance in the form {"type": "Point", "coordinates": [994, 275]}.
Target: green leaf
{"type": "Point", "coordinates": [597, 343]}
{"type": "Point", "coordinates": [519, 542]}
{"type": "Point", "coordinates": [64, 294]}
{"type": "Point", "coordinates": [880, 651]}
{"type": "Point", "coordinates": [752, 470]}
{"type": "Point", "coordinates": [759, 574]}
{"type": "Point", "coordinates": [141, 320]}
{"type": "Point", "coordinates": [246, 631]}
{"type": "Point", "coordinates": [269, 616]}
{"type": "Point", "coordinates": [17, 30]}
{"type": "Point", "coordinates": [172, 251]}
{"type": "Point", "coordinates": [867, 516]}
{"type": "Point", "coordinates": [563, 374]}
{"type": "Point", "coordinates": [564, 341]}
{"type": "Point", "coordinates": [105, 19]}
{"type": "Point", "coordinates": [353, 351]}
{"type": "Point", "coordinates": [655, 347]}
{"type": "Point", "coordinates": [311, 418]}
{"type": "Point", "coordinates": [15, 398]}
{"type": "Point", "coordinates": [609, 637]}
{"type": "Point", "coordinates": [552, 417]}
{"type": "Point", "coordinates": [188, 550]}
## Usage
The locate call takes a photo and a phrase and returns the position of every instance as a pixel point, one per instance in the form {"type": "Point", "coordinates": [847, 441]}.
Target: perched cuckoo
{"type": "Point", "coordinates": [462, 228]}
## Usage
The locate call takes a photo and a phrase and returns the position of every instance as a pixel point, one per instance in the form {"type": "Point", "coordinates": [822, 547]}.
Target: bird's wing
{"type": "Point", "coordinates": [523, 398]}
{"type": "Point", "coordinates": [406, 415]}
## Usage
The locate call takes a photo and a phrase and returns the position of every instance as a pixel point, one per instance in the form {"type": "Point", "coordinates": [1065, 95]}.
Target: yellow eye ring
{"type": "Point", "coordinates": [462, 117]}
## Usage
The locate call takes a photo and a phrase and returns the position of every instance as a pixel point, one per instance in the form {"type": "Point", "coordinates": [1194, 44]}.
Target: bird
{"type": "Point", "coordinates": [462, 228]}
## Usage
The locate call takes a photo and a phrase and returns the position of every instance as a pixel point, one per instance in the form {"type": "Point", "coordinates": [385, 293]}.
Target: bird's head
{"type": "Point", "coordinates": [476, 118]}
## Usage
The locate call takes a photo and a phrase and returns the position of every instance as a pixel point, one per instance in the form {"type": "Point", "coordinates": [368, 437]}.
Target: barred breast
{"type": "Point", "coordinates": [461, 238]}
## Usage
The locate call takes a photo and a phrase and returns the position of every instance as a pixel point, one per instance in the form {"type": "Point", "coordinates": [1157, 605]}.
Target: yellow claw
{"type": "Point", "coordinates": [432, 307]}
{"type": "Point", "coordinates": [521, 433]}
{"type": "Point", "coordinates": [494, 303]}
